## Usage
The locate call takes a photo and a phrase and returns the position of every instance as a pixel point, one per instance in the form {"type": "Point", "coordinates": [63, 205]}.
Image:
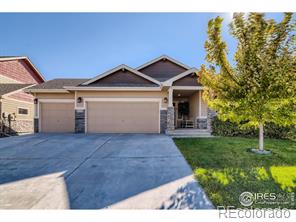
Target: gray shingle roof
{"type": "Point", "coordinates": [10, 87]}
{"type": "Point", "coordinates": [59, 83]}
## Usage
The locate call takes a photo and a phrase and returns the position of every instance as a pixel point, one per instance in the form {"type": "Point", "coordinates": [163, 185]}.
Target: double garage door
{"type": "Point", "coordinates": [103, 117]}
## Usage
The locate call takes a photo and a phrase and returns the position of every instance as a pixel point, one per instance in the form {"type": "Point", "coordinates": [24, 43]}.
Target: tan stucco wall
{"type": "Point", "coordinates": [193, 106]}
{"type": "Point", "coordinates": [204, 107]}
{"type": "Point", "coordinates": [194, 99]}
{"type": "Point", "coordinates": [11, 106]}
{"type": "Point", "coordinates": [54, 95]}
{"type": "Point", "coordinates": [123, 94]}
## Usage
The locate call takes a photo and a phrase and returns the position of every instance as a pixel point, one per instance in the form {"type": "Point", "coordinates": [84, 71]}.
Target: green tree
{"type": "Point", "coordinates": [259, 85]}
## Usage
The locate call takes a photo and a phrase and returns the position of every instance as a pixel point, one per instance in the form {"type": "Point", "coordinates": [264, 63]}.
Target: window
{"type": "Point", "coordinates": [23, 111]}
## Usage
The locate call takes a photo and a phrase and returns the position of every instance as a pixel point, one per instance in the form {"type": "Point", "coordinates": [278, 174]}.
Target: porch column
{"type": "Point", "coordinates": [170, 104]}
{"type": "Point", "coordinates": [170, 112]}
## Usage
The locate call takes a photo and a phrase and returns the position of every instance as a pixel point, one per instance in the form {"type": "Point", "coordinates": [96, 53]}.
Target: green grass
{"type": "Point", "coordinates": [225, 168]}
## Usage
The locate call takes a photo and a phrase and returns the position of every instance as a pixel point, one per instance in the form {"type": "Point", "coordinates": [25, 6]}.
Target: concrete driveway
{"type": "Point", "coordinates": [94, 171]}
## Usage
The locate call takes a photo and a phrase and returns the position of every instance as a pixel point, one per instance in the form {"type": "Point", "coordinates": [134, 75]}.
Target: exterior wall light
{"type": "Point", "coordinates": [165, 100]}
{"type": "Point", "coordinates": [79, 100]}
{"type": "Point", "coordinates": [35, 101]}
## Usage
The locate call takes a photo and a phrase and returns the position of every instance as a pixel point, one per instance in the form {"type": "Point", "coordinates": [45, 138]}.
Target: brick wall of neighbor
{"type": "Point", "coordinates": [5, 79]}
{"type": "Point", "coordinates": [22, 96]}
{"type": "Point", "coordinates": [19, 71]}
{"type": "Point", "coordinates": [163, 121]}
{"type": "Point", "coordinates": [79, 121]}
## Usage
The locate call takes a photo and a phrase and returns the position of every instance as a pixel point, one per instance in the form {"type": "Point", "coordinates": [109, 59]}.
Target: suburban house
{"type": "Point", "coordinates": [159, 96]}
{"type": "Point", "coordinates": [16, 106]}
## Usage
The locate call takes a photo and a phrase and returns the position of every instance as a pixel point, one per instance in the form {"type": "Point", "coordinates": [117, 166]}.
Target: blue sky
{"type": "Point", "coordinates": [73, 45]}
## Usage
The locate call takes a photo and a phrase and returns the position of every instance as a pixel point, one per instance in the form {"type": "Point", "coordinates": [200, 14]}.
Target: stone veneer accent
{"type": "Point", "coordinates": [17, 127]}
{"type": "Point", "coordinates": [170, 119]}
{"type": "Point", "coordinates": [79, 120]}
{"type": "Point", "coordinates": [210, 116]}
{"type": "Point", "coordinates": [36, 125]}
{"type": "Point", "coordinates": [163, 121]}
{"type": "Point", "coordinates": [201, 123]}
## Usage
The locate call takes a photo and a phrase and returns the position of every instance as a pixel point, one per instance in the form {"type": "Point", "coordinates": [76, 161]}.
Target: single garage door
{"type": "Point", "coordinates": [57, 117]}
{"type": "Point", "coordinates": [122, 117]}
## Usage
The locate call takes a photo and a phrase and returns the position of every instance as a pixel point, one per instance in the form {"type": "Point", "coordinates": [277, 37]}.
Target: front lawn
{"type": "Point", "coordinates": [225, 168]}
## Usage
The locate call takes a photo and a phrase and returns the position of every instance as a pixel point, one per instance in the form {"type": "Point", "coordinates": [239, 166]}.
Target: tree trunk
{"type": "Point", "coordinates": [261, 137]}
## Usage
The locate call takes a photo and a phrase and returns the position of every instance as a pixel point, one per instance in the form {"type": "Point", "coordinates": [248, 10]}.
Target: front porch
{"type": "Point", "coordinates": [187, 109]}
{"type": "Point", "coordinates": [190, 111]}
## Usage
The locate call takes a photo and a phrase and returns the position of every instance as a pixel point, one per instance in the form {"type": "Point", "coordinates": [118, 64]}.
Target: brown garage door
{"type": "Point", "coordinates": [123, 117]}
{"type": "Point", "coordinates": [57, 117]}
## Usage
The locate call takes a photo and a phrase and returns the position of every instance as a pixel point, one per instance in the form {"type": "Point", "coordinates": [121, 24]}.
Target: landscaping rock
{"type": "Point", "coordinates": [261, 152]}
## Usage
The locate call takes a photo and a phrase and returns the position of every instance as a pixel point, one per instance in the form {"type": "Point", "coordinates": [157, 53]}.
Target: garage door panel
{"type": "Point", "coordinates": [123, 117]}
{"type": "Point", "coordinates": [57, 117]}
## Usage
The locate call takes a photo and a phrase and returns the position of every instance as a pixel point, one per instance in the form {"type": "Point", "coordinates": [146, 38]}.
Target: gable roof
{"type": "Point", "coordinates": [163, 68]}
{"type": "Point", "coordinates": [9, 58]}
{"type": "Point", "coordinates": [6, 88]}
{"type": "Point", "coordinates": [111, 71]}
{"type": "Point", "coordinates": [179, 76]}
{"type": "Point", "coordinates": [161, 58]}
{"type": "Point", "coordinates": [63, 85]}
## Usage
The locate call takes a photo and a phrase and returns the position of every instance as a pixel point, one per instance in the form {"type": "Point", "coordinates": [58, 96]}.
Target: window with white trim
{"type": "Point", "coordinates": [23, 111]}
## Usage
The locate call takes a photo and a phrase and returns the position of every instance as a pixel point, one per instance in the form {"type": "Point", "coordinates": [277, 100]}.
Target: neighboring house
{"type": "Point", "coordinates": [157, 97]}
{"type": "Point", "coordinates": [16, 106]}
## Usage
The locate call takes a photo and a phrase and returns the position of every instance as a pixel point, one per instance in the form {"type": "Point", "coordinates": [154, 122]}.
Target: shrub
{"type": "Point", "coordinates": [227, 128]}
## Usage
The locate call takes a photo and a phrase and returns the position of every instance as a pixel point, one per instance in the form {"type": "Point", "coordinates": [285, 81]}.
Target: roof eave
{"type": "Point", "coordinates": [12, 58]}
{"type": "Point", "coordinates": [98, 88]}
{"type": "Point", "coordinates": [46, 91]}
